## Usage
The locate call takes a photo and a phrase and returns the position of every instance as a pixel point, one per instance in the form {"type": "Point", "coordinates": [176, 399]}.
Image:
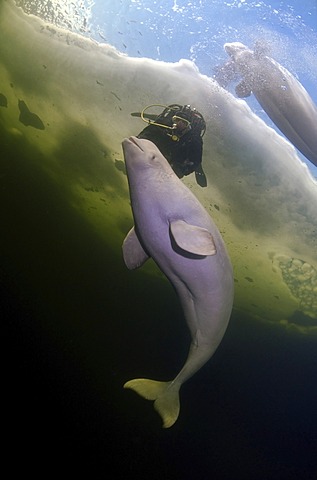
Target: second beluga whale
{"type": "Point", "coordinates": [173, 228]}
{"type": "Point", "coordinates": [280, 94]}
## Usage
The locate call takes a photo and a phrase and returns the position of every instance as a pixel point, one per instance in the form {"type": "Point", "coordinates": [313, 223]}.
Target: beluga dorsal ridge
{"type": "Point", "coordinates": [174, 229]}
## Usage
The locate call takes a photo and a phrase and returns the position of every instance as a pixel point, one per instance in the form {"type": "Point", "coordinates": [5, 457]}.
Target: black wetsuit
{"type": "Point", "coordinates": [184, 154]}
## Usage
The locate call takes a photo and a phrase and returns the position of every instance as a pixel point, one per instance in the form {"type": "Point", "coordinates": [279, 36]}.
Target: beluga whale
{"type": "Point", "coordinates": [280, 94]}
{"type": "Point", "coordinates": [174, 229]}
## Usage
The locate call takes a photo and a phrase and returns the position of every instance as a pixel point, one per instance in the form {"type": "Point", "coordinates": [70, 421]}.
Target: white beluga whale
{"type": "Point", "coordinates": [281, 95]}
{"type": "Point", "coordinates": [174, 229]}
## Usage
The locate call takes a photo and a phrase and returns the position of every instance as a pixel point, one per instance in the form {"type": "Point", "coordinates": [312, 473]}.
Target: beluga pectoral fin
{"type": "Point", "coordinates": [193, 239]}
{"type": "Point", "coordinates": [243, 90]}
{"type": "Point", "coordinates": [133, 253]}
{"type": "Point", "coordinates": [177, 232]}
{"type": "Point", "coordinates": [280, 94]}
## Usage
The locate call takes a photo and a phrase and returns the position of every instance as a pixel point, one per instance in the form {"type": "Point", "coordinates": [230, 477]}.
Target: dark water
{"type": "Point", "coordinates": [78, 325]}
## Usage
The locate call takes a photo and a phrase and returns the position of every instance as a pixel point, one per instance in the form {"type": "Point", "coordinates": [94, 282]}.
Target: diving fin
{"type": "Point", "coordinates": [200, 176]}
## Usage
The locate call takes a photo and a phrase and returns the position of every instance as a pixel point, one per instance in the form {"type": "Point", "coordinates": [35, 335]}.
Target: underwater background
{"type": "Point", "coordinates": [78, 324]}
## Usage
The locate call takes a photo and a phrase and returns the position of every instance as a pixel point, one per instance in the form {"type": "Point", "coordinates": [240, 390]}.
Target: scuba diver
{"type": "Point", "coordinates": [178, 132]}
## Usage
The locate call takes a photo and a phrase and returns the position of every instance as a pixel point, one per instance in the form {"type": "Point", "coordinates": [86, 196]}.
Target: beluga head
{"type": "Point", "coordinates": [143, 155]}
{"type": "Point", "coordinates": [233, 49]}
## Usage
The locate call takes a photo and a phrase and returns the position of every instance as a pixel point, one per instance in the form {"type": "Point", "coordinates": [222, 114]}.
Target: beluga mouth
{"type": "Point", "coordinates": [134, 141]}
